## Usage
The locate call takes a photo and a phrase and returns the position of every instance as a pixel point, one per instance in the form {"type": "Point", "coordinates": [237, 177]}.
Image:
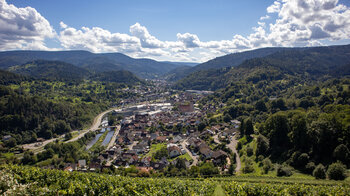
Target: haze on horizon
{"type": "Point", "coordinates": [194, 31]}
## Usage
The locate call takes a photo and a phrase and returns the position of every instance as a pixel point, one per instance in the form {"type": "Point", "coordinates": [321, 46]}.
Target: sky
{"type": "Point", "coordinates": [167, 30]}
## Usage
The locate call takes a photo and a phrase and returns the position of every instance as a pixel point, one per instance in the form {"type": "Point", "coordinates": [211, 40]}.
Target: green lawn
{"type": "Point", "coordinates": [154, 148]}
{"type": "Point", "coordinates": [184, 156]}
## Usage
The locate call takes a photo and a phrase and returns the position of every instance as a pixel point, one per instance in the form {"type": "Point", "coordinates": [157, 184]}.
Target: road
{"type": "Point", "coordinates": [114, 137]}
{"type": "Point", "coordinates": [96, 123]}
{"type": "Point", "coordinates": [216, 139]}
{"type": "Point", "coordinates": [194, 158]}
{"type": "Point", "coordinates": [232, 145]}
{"type": "Point", "coordinates": [132, 145]}
{"type": "Point", "coordinates": [36, 147]}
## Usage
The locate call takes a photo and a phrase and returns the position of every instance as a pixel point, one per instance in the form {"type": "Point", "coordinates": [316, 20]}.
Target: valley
{"type": "Point", "coordinates": [260, 118]}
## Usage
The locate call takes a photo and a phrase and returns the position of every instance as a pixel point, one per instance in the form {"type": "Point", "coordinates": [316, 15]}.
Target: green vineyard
{"type": "Point", "coordinates": [23, 180]}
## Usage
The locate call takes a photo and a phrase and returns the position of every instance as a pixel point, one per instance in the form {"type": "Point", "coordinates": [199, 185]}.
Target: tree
{"type": "Point", "coordinates": [231, 169]}
{"type": "Point", "coordinates": [336, 171]}
{"type": "Point", "coordinates": [341, 153]}
{"type": "Point", "coordinates": [277, 129]}
{"type": "Point", "coordinates": [261, 106]}
{"type": "Point", "coordinates": [267, 165]}
{"type": "Point", "coordinates": [283, 171]}
{"type": "Point", "coordinates": [250, 151]}
{"type": "Point", "coordinates": [68, 136]}
{"type": "Point", "coordinates": [61, 127]}
{"type": "Point", "coordinates": [227, 118]}
{"type": "Point", "coordinates": [249, 128]}
{"type": "Point", "coordinates": [208, 169]}
{"type": "Point", "coordinates": [298, 135]}
{"type": "Point", "coordinates": [262, 145]}
{"type": "Point", "coordinates": [163, 152]}
{"type": "Point", "coordinates": [11, 142]}
{"type": "Point", "coordinates": [319, 172]}
{"type": "Point", "coordinates": [249, 166]}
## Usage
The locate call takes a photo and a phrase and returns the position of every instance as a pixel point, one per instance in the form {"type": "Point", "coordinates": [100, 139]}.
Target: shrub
{"type": "Point", "coordinates": [250, 151]}
{"type": "Point", "coordinates": [248, 167]}
{"type": "Point", "coordinates": [284, 171]}
{"type": "Point", "coordinates": [302, 160]}
{"type": "Point", "coordinates": [239, 145]}
{"type": "Point", "coordinates": [341, 153]}
{"type": "Point", "coordinates": [267, 165]}
{"type": "Point", "coordinates": [336, 171]}
{"type": "Point", "coordinates": [310, 167]}
{"type": "Point", "coordinates": [319, 172]}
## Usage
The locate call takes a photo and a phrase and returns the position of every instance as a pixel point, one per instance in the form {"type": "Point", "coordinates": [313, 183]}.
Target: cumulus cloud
{"type": "Point", "coordinates": [97, 40]}
{"type": "Point", "coordinates": [23, 28]}
{"type": "Point", "coordinates": [310, 20]}
{"type": "Point", "coordinates": [146, 39]}
{"type": "Point", "coordinates": [275, 7]}
{"type": "Point", "coordinates": [189, 40]}
{"type": "Point", "coordinates": [291, 23]}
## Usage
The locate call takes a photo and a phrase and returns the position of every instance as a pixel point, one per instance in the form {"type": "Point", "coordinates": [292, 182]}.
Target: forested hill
{"type": "Point", "coordinates": [121, 76]}
{"type": "Point", "coordinates": [52, 70]}
{"type": "Point", "coordinates": [96, 62]}
{"type": "Point", "coordinates": [229, 60]}
{"type": "Point", "coordinates": [308, 63]}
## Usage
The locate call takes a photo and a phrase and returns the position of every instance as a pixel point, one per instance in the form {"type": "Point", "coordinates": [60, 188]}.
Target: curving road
{"type": "Point", "coordinates": [232, 145]}
{"type": "Point", "coordinates": [194, 158]}
{"type": "Point", "coordinates": [96, 123]}
{"type": "Point", "coordinates": [37, 147]}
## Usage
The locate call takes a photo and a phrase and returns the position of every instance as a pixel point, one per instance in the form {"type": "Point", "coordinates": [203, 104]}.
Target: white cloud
{"type": "Point", "coordinates": [291, 23]}
{"type": "Point", "coordinates": [274, 8]}
{"type": "Point", "coordinates": [265, 17]}
{"type": "Point", "coordinates": [23, 28]}
{"type": "Point", "coordinates": [146, 39]}
{"type": "Point", "coordinates": [97, 40]}
{"type": "Point", "coordinates": [189, 40]}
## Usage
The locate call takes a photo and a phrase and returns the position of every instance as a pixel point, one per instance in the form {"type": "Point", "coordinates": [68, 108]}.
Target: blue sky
{"type": "Point", "coordinates": [182, 30]}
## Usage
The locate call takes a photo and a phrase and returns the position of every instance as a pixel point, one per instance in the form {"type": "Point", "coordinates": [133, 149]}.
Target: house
{"type": "Point", "coordinates": [161, 139]}
{"type": "Point", "coordinates": [236, 123]}
{"type": "Point", "coordinates": [94, 166]}
{"type": "Point", "coordinates": [140, 148]}
{"type": "Point", "coordinates": [174, 151]}
{"type": "Point", "coordinates": [219, 157]}
{"type": "Point", "coordinates": [206, 152]}
{"type": "Point", "coordinates": [82, 163]}
{"type": "Point", "coordinates": [177, 139]}
{"type": "Point", "coordinates": [6, 137]}
{"type": "Point", "coordinates": [186, 107]}
{"type": "Point", "coordinates": [158, 165]}
{"type": "Point", "coordinates": [69, 168]}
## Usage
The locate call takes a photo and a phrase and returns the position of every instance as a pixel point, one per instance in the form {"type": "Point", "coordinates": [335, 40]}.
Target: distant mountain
{"type": "Point", "coordinates": [302, 63]}
{"type": "Point", "coordinates": [101, 62]}
{"type": "Point", "coordinates": [52, 70]}
{"type": "Point", "coordinates": [121, 76]}
{"type": "Point", "coordinates": [177, 73]}
{"type": "Point", "coordinates": [190, 64]}
{"type": "Point", "coordinates": [229, 60]}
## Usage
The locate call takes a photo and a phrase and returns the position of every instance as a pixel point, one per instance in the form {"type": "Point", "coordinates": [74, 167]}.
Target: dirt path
{"type": "Point", "coordinates": [194, 158]}
{"type": "Point", "coordinates": [232, 145]}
